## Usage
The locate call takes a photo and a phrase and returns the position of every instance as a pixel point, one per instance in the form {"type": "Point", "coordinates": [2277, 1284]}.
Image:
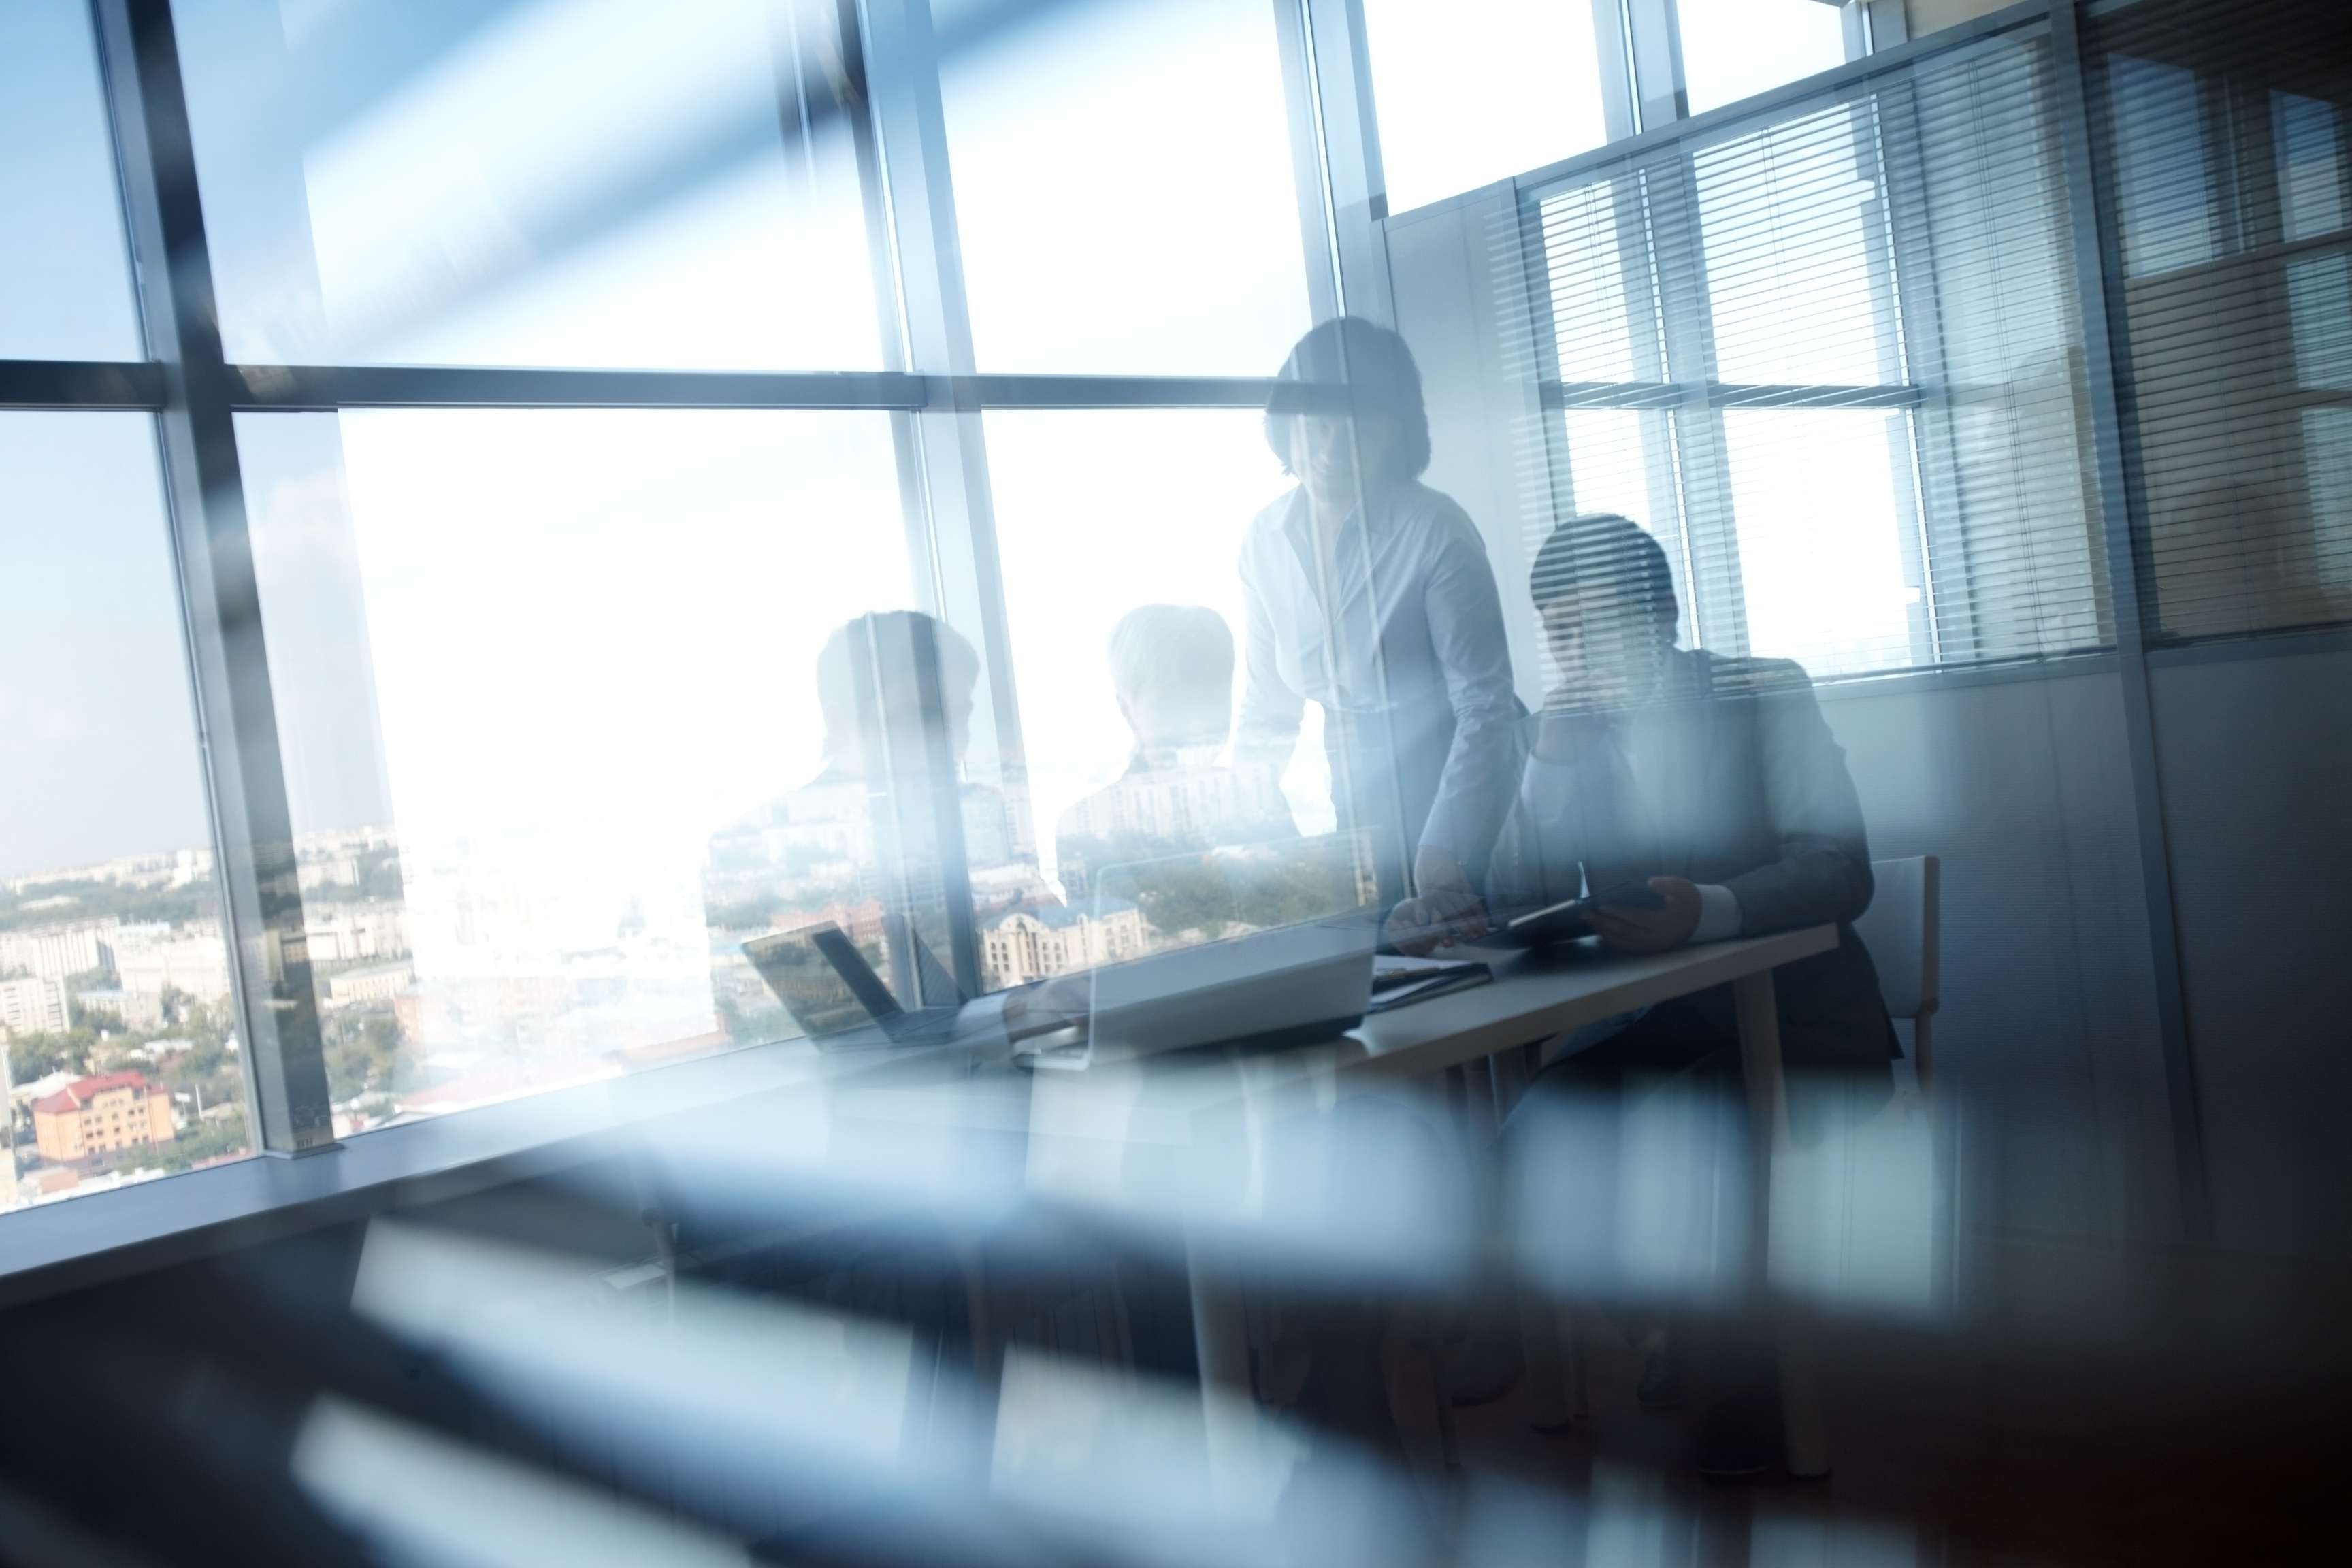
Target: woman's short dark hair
{"type": "Point", "coordinates": [1352, 366]}
{"type": "Point", "coordinates": [1604, 547]}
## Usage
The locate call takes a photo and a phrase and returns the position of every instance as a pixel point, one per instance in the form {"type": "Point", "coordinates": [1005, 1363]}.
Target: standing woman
{"type": "Point", "coordinates": [1370, 594]}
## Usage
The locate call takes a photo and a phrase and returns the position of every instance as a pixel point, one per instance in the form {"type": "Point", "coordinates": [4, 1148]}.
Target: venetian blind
{"type": "Point", "coordinates": [2222, 147]}
{"type": "Point", "coordinates": [1831, 357]}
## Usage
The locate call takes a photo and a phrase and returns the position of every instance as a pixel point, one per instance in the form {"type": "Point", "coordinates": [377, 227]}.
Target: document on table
{"type": "Point", "coordinates": [1398, 980]}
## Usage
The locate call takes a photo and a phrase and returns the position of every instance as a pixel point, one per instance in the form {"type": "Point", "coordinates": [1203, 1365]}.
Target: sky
{"type": "Point", "coordinates": [494, 622]}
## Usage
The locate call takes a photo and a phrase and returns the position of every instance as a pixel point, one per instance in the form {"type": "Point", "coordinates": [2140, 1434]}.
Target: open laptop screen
{"type": "Point", "coordinates": [821, 979]}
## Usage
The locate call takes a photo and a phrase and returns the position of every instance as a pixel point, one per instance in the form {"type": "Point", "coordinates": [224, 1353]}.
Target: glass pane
{"type": "Point", "coordinates": [1074, 573]}
{"type": "Point", "coordinates": [2164, 191]}
{"type": "Point", "coordinates": [549, 682]}
{"type": "Point", "coordinates": [123, 1060]}
{"type": "Point", "coordinates": [1457, 112]}
{"type": "Point", "coordinates": [1790, 218]}
{"type": "Point", "coordinates": [65, 275]}
{"type": "Point", "coordinates": [2319, 307]}
{"type": "Point", "coordinates": [2327, 455]}
{"type": "Point", "coordinates": [1124, 188]}
{"type": "Point", "coordinates": [574, 183]}
{"type": "Point", "coordinates": [2310, 136]}
{"type": "Point", "coordinates": [1594, 318]}
{"type": "Point", "coordinates": [1609, 466]}
{"type": "Point", "coordinates": [1821, 559]}
{"type": "Point", "coordinates": [1622, 460]}
{"type": "Point", "coordinates": [1734, 48]}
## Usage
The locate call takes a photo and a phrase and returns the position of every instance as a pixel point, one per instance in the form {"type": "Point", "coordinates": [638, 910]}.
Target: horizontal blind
{"type": "Point", "coordinates": [1831, 359]}
{"type": "Point", "coordinates": [2221, 145]}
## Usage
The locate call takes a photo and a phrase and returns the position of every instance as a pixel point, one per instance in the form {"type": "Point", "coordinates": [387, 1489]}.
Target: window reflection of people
{"type": "Point", "coordinates": [1715, 783]}
{"type": "Point", "coordinates": [1171, 667]}
{"type": "Point", "coordinates": [887, 828]}
{"type": "Point", "coordinates": [1369, 594]}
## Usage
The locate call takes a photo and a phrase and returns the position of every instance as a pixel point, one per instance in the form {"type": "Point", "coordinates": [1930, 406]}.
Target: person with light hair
{"type": "Point", "coordinates": [887, 835]}
{"type": "Point", "coordinates": [1171, 671]}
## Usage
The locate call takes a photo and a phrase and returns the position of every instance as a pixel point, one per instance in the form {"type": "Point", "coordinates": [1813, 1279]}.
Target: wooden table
{"type": "Point", "coordinates": [1539, 997]}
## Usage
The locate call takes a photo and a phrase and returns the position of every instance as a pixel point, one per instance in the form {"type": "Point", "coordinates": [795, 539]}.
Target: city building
{"type": "Point", "coordinates": [102, 1114]}
{"type": "Point", "coordinates": [55, 951]}
{"type": "Point", "coordinates": [30, 1004]}
{"type": "Point", "coordinates": [375, 983]}
{"type": "Point", "coordinates": [1031, 941]}
{"type": "Point", "coordinates": [348, 934]}
{"type": "Point", "coordinates": [329, 871]}
{"type": "Point", "coordinates": [131, 1009]}
{"type": "Point", "coordinates": [194, 960]}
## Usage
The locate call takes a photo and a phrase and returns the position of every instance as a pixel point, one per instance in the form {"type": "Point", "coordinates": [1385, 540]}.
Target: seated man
{"type": "Point", "coordinates": [1171, 666]}
{"type": "Point", "coordinates": [887, 840]}
{"type": "Point", "coordinates": [1714, 783]}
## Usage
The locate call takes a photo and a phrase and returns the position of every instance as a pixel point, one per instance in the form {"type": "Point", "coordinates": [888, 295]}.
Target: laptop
{"type": "Point", "coordinates": [1260, 988]}
{"type": "Point", "coordinates": [1283, 955]}
{"type": "Point", "coordinates": [835, 994]}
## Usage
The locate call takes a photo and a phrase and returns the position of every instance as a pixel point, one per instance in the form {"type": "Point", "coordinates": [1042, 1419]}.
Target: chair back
{"type": "Point", "coordinates": [1900, 928]}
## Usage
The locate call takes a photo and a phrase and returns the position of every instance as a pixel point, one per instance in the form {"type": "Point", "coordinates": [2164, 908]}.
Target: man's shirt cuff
{"type": "Point", "coordinates": [1718, 913]}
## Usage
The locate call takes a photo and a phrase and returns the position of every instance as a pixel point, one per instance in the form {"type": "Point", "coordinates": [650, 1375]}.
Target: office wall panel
{"type": "Point", "coordinates": [2255, 754]}
{"type": "Point", "coordinates": [2048, 1033]}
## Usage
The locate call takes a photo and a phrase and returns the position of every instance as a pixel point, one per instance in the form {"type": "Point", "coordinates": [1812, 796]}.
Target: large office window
{"type": "Point", "coordinates": [1733, 49]}
{"type": "Point", "coordinates": [549, 690]}
{"type": "Point", "coordinates": [123, 1060]}
{"type": "Point", "coordinates": [1100, 514]}
{"type": "Point", "coordinates": [65, 276]}
{"type": "Point", "coordinates": [1458, 107]}
{"type": "Point", "coordinates": [1124, 191]}
{"type": "Point", "coordinates": [588, 182]}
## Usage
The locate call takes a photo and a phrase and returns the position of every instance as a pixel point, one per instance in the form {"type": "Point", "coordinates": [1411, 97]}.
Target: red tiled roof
{"type": "Point", "coordinates": [80, 1092]}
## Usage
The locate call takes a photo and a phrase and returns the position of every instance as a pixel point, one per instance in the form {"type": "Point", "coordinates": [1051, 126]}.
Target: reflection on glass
{"type": "Point", "coordinates": [1457, 109]}
{"type": "Point", "coordinates": [1734, 48]}
{"type": "Point", "coordinates": [528, 664]}
{"type": "Point", "coordinates": [2327, 456]}
{"type": "Point", "coordinates": [1820, 551]}
{"type": "Point", "coordinates": [2164, 194]}
{"type": "Point", "coordinates": [892, 842]}
{"type": "Point", "coordinates": [121, 1058]}
{"type": "Point", "coordinates": [2310, 136]}
{"type": "Point", "coordinates": [1124, 190]}
{"type": "Point", "coordinates": [1100, 514]}
{"type": "Point", "coordinates": [2319, 304]}
{"type": "Point", "coordinates": [67, 296]}
{"type": "Point", "coordinates": [1171, 671]}
{"type": "Point", "coordinates": [585, 183]}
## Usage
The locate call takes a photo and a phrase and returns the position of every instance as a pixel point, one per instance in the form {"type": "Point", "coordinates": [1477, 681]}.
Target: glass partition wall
{"type": "Point", "coordinates": [570, 488]}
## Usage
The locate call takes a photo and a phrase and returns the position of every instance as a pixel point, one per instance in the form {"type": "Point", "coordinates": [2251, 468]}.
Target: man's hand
{"type": "Point", "coordinates": [1651, 931]}
{"type": "Point", "coordinates": [1446, 909]}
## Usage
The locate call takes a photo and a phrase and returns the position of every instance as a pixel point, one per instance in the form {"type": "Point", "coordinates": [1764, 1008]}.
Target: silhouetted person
{"type": "Point", "coordinates": [1171, 667]}
{"type": "Point", "coordinates": [1715, 783]}
{"type": "Point", "coordinates": [1369, 594]}
{"type": "Point", "coordinates": [888, 838]}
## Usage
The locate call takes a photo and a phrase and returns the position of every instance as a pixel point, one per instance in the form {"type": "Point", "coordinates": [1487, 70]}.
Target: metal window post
{"type": "Point", "coordinates": [2097, 258]}
{"type": "Point", "coordinates": [951, 515]}
{"type": "Point", "coordinates": [237, 722]}
{"type": "Point", "coordinates": [1339, 58]}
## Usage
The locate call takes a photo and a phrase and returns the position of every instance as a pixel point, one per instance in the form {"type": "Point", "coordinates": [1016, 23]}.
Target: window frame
{"type": "Point", "coordinates": [927, 384]}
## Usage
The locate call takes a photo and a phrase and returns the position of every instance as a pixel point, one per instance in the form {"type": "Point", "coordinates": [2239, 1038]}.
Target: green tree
{"type": "Point", "coordinates": [38, 1055]}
